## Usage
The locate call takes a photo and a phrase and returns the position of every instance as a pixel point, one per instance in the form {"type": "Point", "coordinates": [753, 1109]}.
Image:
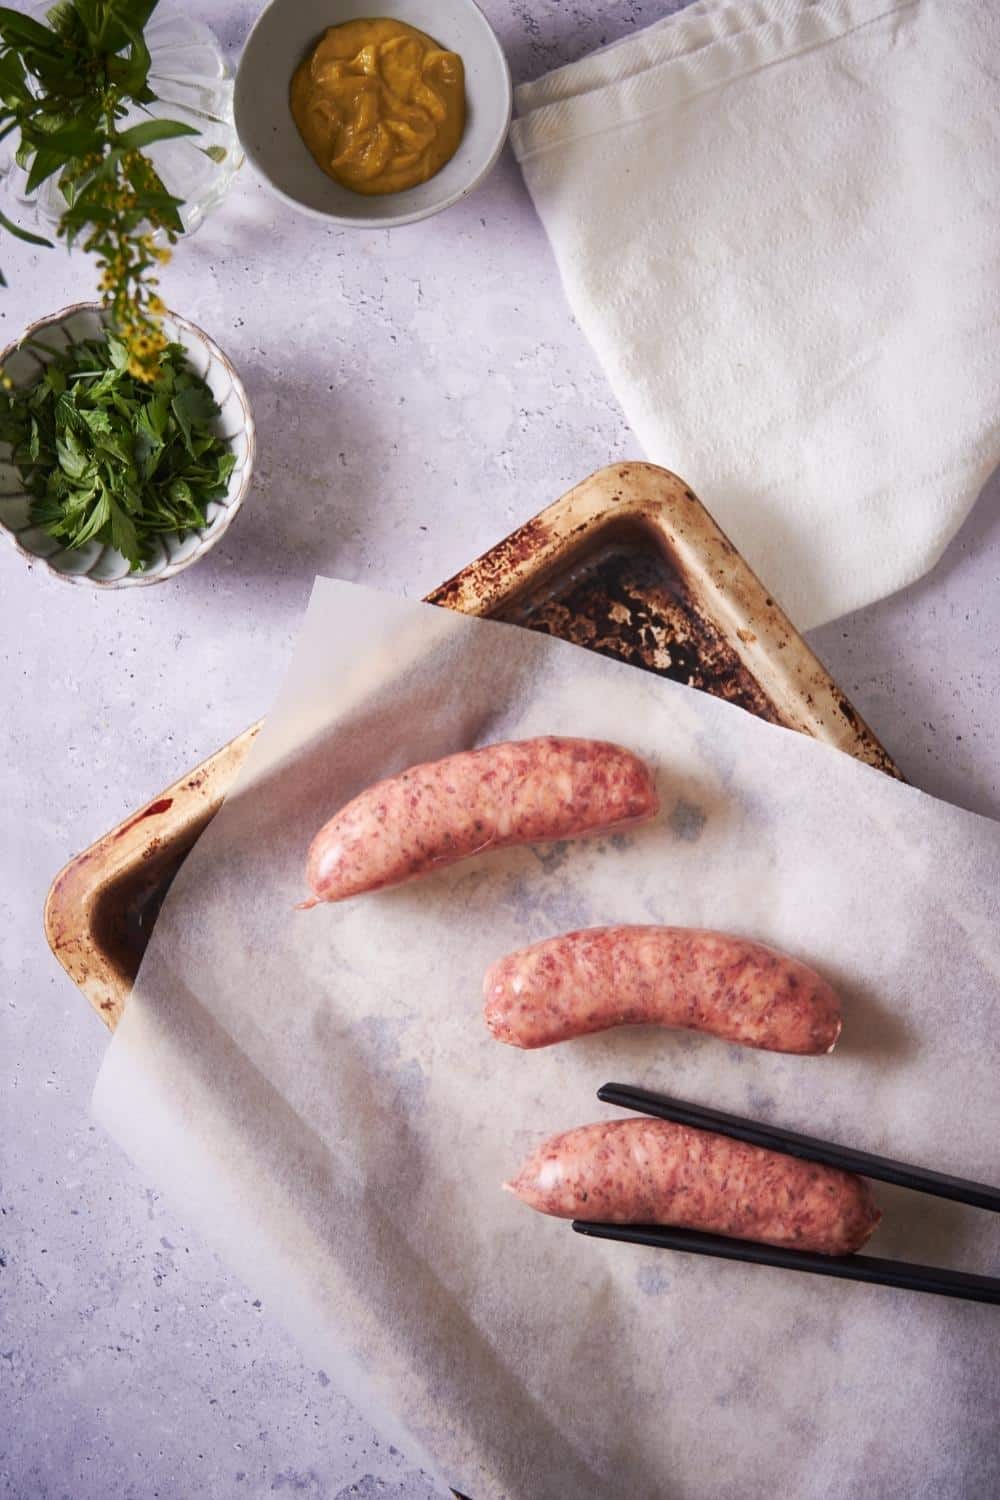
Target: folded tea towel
{"type": "Point", "coordinates": [777, 223]}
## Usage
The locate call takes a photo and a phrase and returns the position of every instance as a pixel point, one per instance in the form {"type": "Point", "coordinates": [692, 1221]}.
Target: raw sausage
{"type": "Point", "coordinates": [665, 976]}
{"type": "Point", "coordinates": [516, 792]}
{"type": "Point", "coordinates": [643, 1171]}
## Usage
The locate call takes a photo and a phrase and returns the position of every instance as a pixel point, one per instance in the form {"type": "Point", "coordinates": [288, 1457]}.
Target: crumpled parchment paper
{"type": "Point", "coordinates": [318, 1092]}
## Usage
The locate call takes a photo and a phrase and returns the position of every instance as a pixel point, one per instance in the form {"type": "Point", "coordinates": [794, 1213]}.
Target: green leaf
{"type": "Point", "coordinates": [124, 536]}
{"type": "Point", "coordinates": [92, 13]}
{"type": "Point", "coordinates": [98, 518]}
{"type": "Point", "coordinates": [131, 72]}
{"type": "Point", "coordinates": [82, 214]}
{"type": "Point", "coordinates": [97, 422]}
{"type": "Point", "coordinates": [104, 31]}
{"type": "Point", "coordinates": [190, 406]}
{"type": "Point", "coordinates": [20, 30]}
{"type": "Point", "coordinates": [13, 85]}
{"type": "Point", "coordinates": [133, 13]}
{"type": "Point", "coordinates": [45, 162]}
{"type": "Point", "coordinates": [179, 492]}
{"type": "Point", "coordinates": [54, 135]}
{"type": "Point", "coordinates": [67, 414]}
{"type": "Point", "coordinates": [117, 352]}
{"type": "Point", "coordinates": [64, 19]}
{"type": "Point", "coordinates": [137, 137]}
{"type": "Point", "coordinates": [155, 415]}
{"type": "Point", "coordinates": [109, 22]}
{"type": "Point", "coordinates": [117, 445]}
{"type": "Point", "coordinates": [47, 512]}
{"type": "Point", "coordinates": [225, 466]}
{"type": "Point", "coordinates": [122, 404]}
{"type": "Point", "coordinates": [56, 118]}
{"type": "Point", "coordinates": [163, 208]}
{"type": "Point", "coordinates": [23, 234]}
{"type": "Point", "coordinates": [73, 459]}
{"type": "Point", "coordinates": [146, 450]}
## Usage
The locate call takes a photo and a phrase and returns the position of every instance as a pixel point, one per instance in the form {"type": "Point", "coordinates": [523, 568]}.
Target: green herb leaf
{"type": "Point", "coordinates": [64, 19]}
{"type": "Point", "coordinates": [73, 459]}
{"type": "Point", "coordinates": [23, 234]}
{"type": "Point", "coordinates": [109, 22]}
{"type": "Point", "coordinates": [119, 446]}
{"type": "Point", "coordinates": [150, 131]}
{"type": "Point", "coordinates": [155, 413]}
{"type": "Point", "coordinates": [111, 458]}
{"type": "Point", "coordinates": [125, 537]}
{"type": "Point", "coordinates": [131, 72]}
{"type": "Point", "coordinates": [55, 379]}
{"type": "Point", "coordinates": [193, 406]}
{"type": "Point", "coordinates": [13, 85]}
{"type": "Point", "coordinates": [20, 30]}
{"type": "Point", "coordinates": [98, 518]}
{"type": "Point", "coordinates": [117, 353]}
{"type": "Point", "coordinates": [45, 162]}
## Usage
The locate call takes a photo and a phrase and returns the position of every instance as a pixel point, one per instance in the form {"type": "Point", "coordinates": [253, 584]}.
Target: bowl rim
{"type": "Point", "coordinates": [393, 221]}
{"type": "Point", "coordinates": [222, 522]}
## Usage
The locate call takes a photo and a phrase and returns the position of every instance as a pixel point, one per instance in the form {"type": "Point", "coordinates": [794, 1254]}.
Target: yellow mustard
{"type": "Point", "coordinates": [380, 105]}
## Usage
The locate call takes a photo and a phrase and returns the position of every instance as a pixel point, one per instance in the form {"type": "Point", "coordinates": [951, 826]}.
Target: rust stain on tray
{"type": "Point", "coordinates": [161, 805]}
{"type": "Point", "coordinates": [494, 570]}
{"type": "Point", "coordinates": [626, 603]}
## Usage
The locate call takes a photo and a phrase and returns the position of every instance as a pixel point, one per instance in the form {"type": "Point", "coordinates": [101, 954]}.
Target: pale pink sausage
{"type": "Point", "coordinates": [516, 792]}
{"type": "Point", "coordinates": [661, 976]}
{"type": "Point", "coordinates": [643, 1171]}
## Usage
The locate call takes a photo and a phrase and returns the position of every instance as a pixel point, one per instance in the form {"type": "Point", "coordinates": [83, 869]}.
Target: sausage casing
{"type": "Point", "coordinates": [645, 1171]}
{"type": "Point", "coordinates": [665, 976]}
{"type": "Point", "coordinates": [515, 792]}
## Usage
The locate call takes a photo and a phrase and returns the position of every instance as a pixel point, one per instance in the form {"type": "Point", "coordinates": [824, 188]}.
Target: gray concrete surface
{"type": "Point", "coordinates": [417, 394]}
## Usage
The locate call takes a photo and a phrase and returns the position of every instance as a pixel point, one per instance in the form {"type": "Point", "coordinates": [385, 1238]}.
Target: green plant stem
{"type": "Point", "coordinates": [66, 86]}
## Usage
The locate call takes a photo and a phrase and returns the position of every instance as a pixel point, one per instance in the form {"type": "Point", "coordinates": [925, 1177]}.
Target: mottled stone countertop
{"type": "Point", "coordinates": [417, 394]}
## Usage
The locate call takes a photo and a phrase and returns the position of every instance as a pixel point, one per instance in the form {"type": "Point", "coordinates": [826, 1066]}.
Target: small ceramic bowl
{"type": "Point", "coordinates": [284, 35]}
{"type": "Point", "coordinates": [94, 564]}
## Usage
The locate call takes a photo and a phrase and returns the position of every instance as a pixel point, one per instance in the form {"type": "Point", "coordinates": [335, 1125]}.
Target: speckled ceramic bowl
{"type": "Point", "coordinates": [94, 564]}
{"type": "Point", "coordinates": [283, 35]}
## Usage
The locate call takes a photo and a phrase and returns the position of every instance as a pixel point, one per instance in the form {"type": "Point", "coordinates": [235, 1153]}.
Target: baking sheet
{"type": "Point", "coordinates": [318, 1092]}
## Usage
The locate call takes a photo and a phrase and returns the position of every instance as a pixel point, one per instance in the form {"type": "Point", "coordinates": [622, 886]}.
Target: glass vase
{"type": "Point", "coordinates": [191, 79]}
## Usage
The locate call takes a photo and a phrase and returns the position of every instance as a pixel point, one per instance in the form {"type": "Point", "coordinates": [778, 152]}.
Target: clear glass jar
{"type": "Point", "coordinates": [189, 75]}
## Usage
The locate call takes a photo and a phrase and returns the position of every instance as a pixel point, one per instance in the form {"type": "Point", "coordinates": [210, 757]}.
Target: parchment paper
{"type": "Point", "coordinates": [319, 1093]}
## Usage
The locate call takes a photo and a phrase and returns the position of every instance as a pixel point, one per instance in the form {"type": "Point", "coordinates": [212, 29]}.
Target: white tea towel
{"type": "Point", "coordinates": [777, 223]}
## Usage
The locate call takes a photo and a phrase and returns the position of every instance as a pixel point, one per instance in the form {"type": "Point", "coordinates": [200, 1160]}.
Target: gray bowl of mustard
{"type": "Point", "coordinates": [284, 35]}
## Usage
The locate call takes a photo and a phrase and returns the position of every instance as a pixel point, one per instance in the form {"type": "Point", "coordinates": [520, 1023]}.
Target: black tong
{"type": "Point", "coordinates": [897, 1273]}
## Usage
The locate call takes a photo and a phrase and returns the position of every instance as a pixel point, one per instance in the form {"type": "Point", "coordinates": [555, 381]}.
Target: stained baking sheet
{"type": "Point", "coordinates": [629, 563]}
